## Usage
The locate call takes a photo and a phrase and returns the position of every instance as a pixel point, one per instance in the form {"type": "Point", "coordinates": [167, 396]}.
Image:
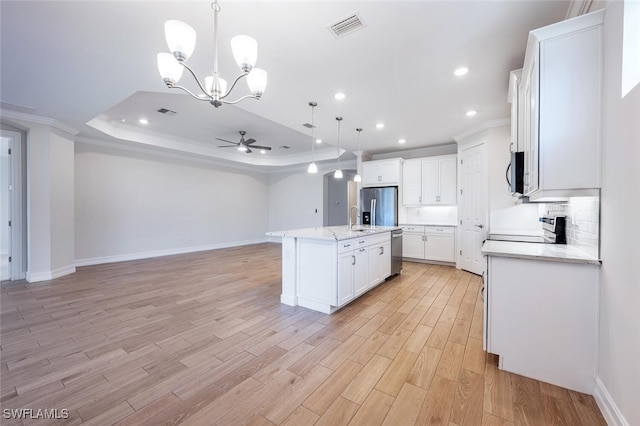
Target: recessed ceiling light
{"type": "Point", "coordinates": [263, 151]}
{"type": "Point", "coordinates": [401, 141]}
{"type": "Point", "coordinates": [318, 140]}
{"type": "Point", "coordinates": [379, 125]}
{"type": "Point", "coordinates": [123, 120]}
{"type": "Point", "coordinates": [339, 96]}
{"type": "Point", "coordinates": [461, 71]}
{"type": "Point", "coordinates": [471, 113]}
{"type": "Point", "coordinates": [143, 121]}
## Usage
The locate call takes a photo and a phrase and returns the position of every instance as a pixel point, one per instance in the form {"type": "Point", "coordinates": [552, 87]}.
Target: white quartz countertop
{"type": "Point", "coordinates": [429, 224]}
{"type": "Point", "coordinates": [335, 233]}
{"type": "Point", "coordinates": [537, 251]}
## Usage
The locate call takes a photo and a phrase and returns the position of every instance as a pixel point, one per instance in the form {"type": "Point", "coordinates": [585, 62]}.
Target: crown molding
{"type": "Point", "coordinates": [577, 8]}
{"type": "Point", "coordinates": [32, 118]}
{"type": "Point", "coordinates": [482, 127]}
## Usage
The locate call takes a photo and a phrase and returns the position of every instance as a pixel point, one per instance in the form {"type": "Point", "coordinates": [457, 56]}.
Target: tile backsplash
{"type": "Point", "coordinates": [441, 215]}
{"type": "Point", "coordinates": [583, 222]}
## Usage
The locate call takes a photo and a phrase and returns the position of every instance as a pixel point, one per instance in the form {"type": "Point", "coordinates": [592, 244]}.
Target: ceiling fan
{"type": "Point", "coordinates": [243, 145]}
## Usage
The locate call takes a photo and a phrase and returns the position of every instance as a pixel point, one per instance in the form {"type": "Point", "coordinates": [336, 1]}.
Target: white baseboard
{"type": "Point", "coordinates": [607, 405]}
{"type": "Point", "coordinates": [160, 253]}
{"type": "Point", "coordinates": [34, 277]}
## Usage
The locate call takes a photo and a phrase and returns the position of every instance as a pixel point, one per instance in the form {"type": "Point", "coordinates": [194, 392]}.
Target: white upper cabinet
{"type": "Point", "coordinates": [381, 172]}
{"type": "Point", "coordinates": [429, 181]}
{"type": "Point", "coordinates": [514, 98]}
{"type": "Point", "coordinates": [561, 91]}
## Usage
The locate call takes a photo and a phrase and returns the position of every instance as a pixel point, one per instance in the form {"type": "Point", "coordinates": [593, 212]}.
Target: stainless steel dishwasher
{"type": "Point", "coordinates": [396, 252]}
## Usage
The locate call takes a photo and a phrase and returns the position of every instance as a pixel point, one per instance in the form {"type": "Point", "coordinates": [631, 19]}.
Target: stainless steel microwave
{"type": "Point", "coordinates": [515, 173]}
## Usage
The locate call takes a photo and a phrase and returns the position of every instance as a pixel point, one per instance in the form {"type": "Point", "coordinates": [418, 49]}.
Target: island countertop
{"type": "Point", "coordinates": [335, 233]}
{"type": "Point", "coordinates": [539, 251]}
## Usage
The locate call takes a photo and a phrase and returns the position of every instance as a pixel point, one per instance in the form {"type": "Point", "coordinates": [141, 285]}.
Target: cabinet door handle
{"type": "Point", "coordinates": [362, 249]}
{"type": "Point", "coordinates": [381, 250]}
{"type": "Point", "coordinates": [346, 245]}
{"type": "Point", "coordinates": [354, 260]}
{"type": "Point", "coordinates": [420, 198]}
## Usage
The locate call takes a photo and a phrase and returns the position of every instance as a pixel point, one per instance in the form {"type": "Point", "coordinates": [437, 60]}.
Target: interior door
{"type": "Point", "coordinates": [5, 209]}
{"type": "Point", "coordinates": [473, 214]}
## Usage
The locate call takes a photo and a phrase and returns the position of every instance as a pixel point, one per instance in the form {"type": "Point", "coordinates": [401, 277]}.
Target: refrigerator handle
{"type": "Point", "coordinates": [373, 212]}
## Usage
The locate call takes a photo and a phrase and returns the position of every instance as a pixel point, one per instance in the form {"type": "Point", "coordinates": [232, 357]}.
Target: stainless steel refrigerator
{"type": "Point", "coordinates": [379, 206]}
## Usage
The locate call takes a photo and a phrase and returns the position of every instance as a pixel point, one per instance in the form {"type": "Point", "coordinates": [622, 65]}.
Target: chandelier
{"type": "Point", "coordinates": [181, 39]}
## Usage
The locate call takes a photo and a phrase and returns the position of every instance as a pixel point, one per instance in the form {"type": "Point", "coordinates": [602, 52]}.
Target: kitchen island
{"type": "Point", "coordinates": [325, 268]}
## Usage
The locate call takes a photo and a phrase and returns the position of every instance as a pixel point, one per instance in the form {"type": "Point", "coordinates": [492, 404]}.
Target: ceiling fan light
{"type": "Point", "coordinates": [208, 84]}
{"type": "Point", "coordinates": [181, 39]}
{"type": "Point", "coordinates": [312, 168]}
{"type": "Point", "coordinates": [170, 69]}
{"type": "Point", "coordinates": [242, 148]}
{"type": "Point", "coordinates": [357, 178]}
{"type": "Point", "coordinates": [257, 81]}
{"type": "Point", "coordinates": [245, 51]}
{"type": "Point", "coordinates": [338, 174]}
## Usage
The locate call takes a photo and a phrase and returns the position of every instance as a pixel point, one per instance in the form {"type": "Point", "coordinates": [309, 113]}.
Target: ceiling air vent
{"type": "Point", "coordinates": [284, 147]}
{"type": "Point", "coordinates": [347, 25]}
{"type": "Point", "coordinates": [308, 125]}
{"type": "Point", "coordinates": [166, 111]}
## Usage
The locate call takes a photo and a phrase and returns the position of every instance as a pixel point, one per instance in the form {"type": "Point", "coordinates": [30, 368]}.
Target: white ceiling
{"type": "Point", "coordinates": [91, 64]}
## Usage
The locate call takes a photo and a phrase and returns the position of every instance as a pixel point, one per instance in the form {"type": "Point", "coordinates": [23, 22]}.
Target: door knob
{"type": "Point", "coordinates": [479, 226]}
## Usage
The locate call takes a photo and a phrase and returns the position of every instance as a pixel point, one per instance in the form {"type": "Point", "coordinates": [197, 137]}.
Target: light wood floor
{"type": "Point", "coordinates": [202, 339]}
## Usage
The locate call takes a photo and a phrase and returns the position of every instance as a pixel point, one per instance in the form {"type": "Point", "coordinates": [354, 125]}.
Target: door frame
{"type": "Point", "coordinates": [18, 240]}
{"type": "Point", "coordinates": [482, 142]}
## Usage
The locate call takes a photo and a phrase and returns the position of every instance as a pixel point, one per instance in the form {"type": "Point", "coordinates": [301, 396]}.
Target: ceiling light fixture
{"type": "Point", "coordinates": [461, 71]}
{"type": "Point", "coordinates": [339, 96]}
{"type": "Point", "coordinates": [471, 113]}
{"type": "Point", "coordinates": [312, 166]}
{"type": "Point", "coordinates": [357, 177]}
{"type": "Point", "coordinates": [401, 141]}
{"type": "Point", "coordinates": [181, 39]}
{"type": "Point", "coordinates": [318, 140]}
{"type": "Point", "coordinates": [143, 121]}
{"type": "Point", "coordinates": [380, 126]}
{"type": "Point", "coordinates": [338, 173]}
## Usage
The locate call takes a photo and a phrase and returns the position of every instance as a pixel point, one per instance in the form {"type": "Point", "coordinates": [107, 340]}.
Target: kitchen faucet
{"type": "Point", "coordinates": [357, 215]}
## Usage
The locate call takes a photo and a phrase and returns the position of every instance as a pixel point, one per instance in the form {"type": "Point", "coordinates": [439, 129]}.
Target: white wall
{"type": "Point", "coordinates": [295, 200]}
{"type": "Point", "coordinates": [62, 204]}
{"type": "Point", "coordinates": [130, 205]}
{"type": "Point", "coordinates": [619, 347]}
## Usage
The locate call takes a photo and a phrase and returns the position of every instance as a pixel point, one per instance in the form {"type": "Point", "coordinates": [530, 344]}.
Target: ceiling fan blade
{"type": "Point", "coordinates": [248, 151]}
{"type": "Point", "coordinates": [224, 140]}
{"type": "Point", "coordinates": [249, 141]}
{"type": "Point", "coordinates": [268, 148]}
{"type": "Point", "coordinates": [226, 146]}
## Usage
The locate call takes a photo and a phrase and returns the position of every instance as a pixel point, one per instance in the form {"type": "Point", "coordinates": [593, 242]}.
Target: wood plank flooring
{"type": "Point", "coordinates": [202, 339]}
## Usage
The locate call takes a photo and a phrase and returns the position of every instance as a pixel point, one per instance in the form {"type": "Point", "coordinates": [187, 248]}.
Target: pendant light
{"type": "Point", "coordinates": [357, 177]}
{"type": "Point", "coordinates": [312, 166]}
{"type": "Point", "coordinates": [338, 173]}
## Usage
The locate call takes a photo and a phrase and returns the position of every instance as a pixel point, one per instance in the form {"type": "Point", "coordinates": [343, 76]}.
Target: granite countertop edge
{"type": "Point", "coordinates": [332, 233]}
{"type": "Point", "coordinates": [538, 251]}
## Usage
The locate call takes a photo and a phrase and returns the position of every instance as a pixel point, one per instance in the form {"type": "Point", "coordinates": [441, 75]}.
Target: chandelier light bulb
{"type": "Point", "coordinates": [208, 84]}
{"type": "Point", "coordinates": [245, 51]}
{"type": "Point", "coordinates": [338, 174]}
{"type": "Point", "coordinates": [312, 168]}
{"type": "Point", "coordinates": [357, 178]}
{"type": "Point", "coordinates": [181, 39]}
{"type": "Point", "coordinates": [257, 81]}
{"type": "Point", "coordinates": [169, 68]}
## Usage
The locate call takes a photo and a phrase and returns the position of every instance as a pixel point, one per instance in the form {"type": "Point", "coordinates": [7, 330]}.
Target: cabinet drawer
{"type": "Point", "coordinates": [348, 245]}
{"type": "Point", "coordinates": [361, 242]}
{"type": "Point", "coordinates": [380, 238]}
{"type": "Point", "coordinates": [439, 229]}
{"type": "Point", "coordinates": [413, 228]}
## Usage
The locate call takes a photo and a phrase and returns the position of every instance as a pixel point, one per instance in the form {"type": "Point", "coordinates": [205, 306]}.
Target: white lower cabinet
{"type": "Point", "coordinates": [379, 260]}
{"type": "Point", "coordinates": [541, 319]}
{"type": "Point", "coordinates": [324, 275]}
{"type": "Point", "coordinates": [435, 243]}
